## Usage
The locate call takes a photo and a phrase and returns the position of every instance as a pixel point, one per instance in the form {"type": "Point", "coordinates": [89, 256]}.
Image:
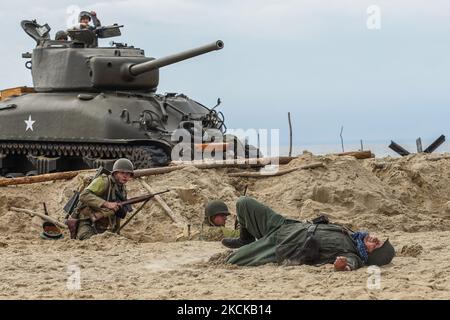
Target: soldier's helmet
{"type": "Point", "coordinates": [84, 14]}
{"type": "Point", "coordinates": [61, 35]}
{"type": "Point", "coordinates": [382, 255]}
{"type": "Point", "coordinates": [215, 207]}
{"type": "Point", "coordinates": [123, 165]}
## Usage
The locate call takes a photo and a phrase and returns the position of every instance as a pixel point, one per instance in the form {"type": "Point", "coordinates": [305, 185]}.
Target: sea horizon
{"type": "Point", "coordinates": [379, 148]}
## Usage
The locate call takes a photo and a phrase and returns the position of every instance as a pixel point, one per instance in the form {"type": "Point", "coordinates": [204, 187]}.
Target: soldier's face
{"type": "Point", "coordinates": [372, 243]}
{"type": "Point", "coordinates": [219, 219]}
{"type": "Point", "coordinates": [85, 20]}
{"type": "Point", "coordinates": [123, 177]}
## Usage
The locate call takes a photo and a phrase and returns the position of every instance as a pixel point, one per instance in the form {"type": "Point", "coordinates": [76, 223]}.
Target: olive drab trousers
{"type": "Point", "coordinates": [261, 221]}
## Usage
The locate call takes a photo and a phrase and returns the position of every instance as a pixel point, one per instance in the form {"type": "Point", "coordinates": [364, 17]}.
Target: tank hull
{"type": "Point", "coordinates": [90, 126]}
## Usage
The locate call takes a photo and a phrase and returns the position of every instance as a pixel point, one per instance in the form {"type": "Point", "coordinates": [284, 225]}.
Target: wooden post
{"type": "Point", "coordinates": [290, 134]}
{"type": "Point", "coordinates": [419, 145]}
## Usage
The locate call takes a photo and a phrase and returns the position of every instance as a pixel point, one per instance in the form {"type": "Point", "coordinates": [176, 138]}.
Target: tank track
{"type": "Point", "coordinates": [93, 154]}
{"type": "Point", "coordinates": [65, 149]}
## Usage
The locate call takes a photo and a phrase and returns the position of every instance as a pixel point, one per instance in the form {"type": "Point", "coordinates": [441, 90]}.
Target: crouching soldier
{"type": "Point", "coordinates": [98, 209]}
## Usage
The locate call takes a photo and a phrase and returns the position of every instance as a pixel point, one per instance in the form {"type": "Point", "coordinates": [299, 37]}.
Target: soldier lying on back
{"type": "Point", "coordinates": [267, 237]}
{"type": "Point", "coordinates": [98, 209]}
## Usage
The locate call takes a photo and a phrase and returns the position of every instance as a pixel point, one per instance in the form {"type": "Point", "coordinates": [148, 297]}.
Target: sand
{"type": "Point", "coordinates": [407, 199]}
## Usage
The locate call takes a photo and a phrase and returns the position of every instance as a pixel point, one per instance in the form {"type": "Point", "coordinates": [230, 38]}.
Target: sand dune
{"type": "Point", "coordinates": [407, 199]}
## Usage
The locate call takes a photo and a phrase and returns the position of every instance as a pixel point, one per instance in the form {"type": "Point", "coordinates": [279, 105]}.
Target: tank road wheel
{"type": "Point", "coordinates": [149, 156]}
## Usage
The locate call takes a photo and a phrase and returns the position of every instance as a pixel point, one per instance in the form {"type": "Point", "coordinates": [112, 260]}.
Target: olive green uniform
{"type": "Point", "coordinates": [102, 189]}
{"type": "Point", "coordinates": [279, 238]}
{"type": "Point", "coordinates": [210, 232]}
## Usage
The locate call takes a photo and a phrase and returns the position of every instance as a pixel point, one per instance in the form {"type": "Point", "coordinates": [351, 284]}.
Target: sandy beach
{"type": "Point", "coordinates": [406, 199]}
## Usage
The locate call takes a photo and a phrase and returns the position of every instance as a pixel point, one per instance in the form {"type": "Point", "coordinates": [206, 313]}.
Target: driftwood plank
{"type": "Point", "coordinates": [275, 174]}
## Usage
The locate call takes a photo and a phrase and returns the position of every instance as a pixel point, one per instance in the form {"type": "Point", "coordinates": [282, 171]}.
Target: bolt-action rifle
{"type": "Point", "coordinates": [124, 204]}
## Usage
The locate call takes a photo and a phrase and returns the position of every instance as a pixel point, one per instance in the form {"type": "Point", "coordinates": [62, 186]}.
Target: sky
{"type": "Point", "coordinates": [379, 68]}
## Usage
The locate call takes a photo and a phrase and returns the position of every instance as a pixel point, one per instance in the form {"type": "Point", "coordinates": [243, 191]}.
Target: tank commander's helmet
{"type": "Point", "coordinates": [215, 207]}
{"type": "Point", "coordinates": [84, 14]}
{"type": "Point", "coordinates": [61, 35]}
{"type": "Point", "coordinates": [123, 165]}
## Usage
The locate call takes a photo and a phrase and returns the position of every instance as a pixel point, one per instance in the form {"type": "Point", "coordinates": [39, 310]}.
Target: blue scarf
{"type": "Point", "coordinates": [358, 237]}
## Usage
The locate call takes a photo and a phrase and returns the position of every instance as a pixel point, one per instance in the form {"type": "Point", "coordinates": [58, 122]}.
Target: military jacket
{"type": "Point", "coordinates": [280, 245]}
{"type": "Point", "coordinates": [102, 189]}
{"type": "Point", "coordinates": [214, 233]}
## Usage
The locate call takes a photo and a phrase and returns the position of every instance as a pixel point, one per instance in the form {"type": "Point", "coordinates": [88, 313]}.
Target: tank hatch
{"type": "Point", "coordinates": [36, 31]}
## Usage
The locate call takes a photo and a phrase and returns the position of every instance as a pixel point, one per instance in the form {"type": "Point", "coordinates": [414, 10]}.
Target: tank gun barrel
{"type": "Point", "coordinates": [139, 68]}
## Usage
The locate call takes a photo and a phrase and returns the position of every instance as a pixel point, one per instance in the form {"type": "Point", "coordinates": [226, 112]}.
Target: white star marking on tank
{"type": "Point", "coordinates": [29, 123]}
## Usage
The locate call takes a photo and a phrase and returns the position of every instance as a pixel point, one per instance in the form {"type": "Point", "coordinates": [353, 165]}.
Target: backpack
{"type": "Point", "coordinates": [75, 199]}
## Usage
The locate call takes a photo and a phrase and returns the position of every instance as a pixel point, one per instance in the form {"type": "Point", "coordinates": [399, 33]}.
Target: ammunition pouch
{"type": "Point", "coordinates": [101, 225]}
{"type": "Point", "coordinates": [309, 253]}
{"type": "Point", "coordinates": [72, 225]}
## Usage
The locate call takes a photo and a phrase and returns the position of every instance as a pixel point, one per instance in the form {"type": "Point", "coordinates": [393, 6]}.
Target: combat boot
{"type": "Point", "coordinates": [245, 237]}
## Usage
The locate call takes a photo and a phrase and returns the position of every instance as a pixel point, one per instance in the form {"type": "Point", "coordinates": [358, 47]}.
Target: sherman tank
{"type": "Point", "coordinates": [91, 105]}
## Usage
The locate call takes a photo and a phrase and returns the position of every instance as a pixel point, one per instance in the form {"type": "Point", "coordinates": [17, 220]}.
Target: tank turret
{"type": "Point", "coordinates": [79, 64]}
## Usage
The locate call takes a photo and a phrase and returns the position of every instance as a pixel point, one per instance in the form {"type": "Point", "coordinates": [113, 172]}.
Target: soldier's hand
{"type": "Point", "coordinates": [93, 13]}
{"type": "Point", "coordinates": [340, 264]}
{"type": "Point", "coordinates": [114, 206]}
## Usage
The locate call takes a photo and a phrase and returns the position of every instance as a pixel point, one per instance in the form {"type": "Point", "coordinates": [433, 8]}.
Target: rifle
{"type": "Point", "coordinates": [140, 198]}
{"type": "Point", "coordinates": [144, 198]}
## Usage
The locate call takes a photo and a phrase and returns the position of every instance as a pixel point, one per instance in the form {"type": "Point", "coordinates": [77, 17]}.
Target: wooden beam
{"type": "Point", "coordinates": [179, 220]}
{"type": "Point", "coordinates": [275, 174]}
{"type": "Point", "coordinates": [244, 163]}
{"type": "Point", "coordinates": [40, 215]}
{"type": "Point", "coordinates": [222, 163]}
{"type": "Point", "coordinates": [42, 178]}
{"type": "Point", "coordinates": [155, 171]}
{"type": "Point", "coordinates": [357, 154]}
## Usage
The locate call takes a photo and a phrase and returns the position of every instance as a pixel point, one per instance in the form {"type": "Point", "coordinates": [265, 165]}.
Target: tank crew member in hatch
{"type": "Point", "coordinates": [84, 19]}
